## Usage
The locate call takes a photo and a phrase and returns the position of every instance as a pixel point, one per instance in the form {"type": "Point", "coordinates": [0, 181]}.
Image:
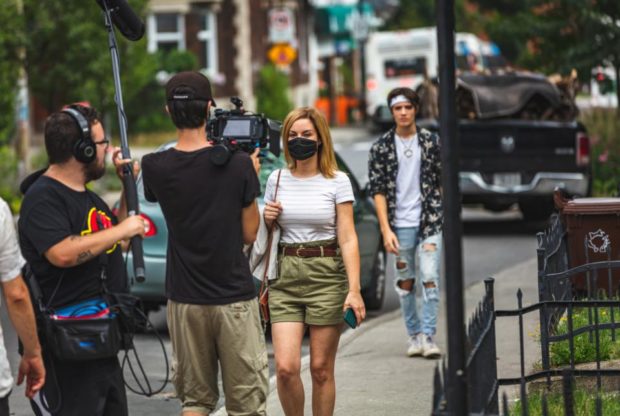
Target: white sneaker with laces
{"type": "Point", "coordinates": [429, 348]}
{"type": "Point", "coordinates": [415, 346]}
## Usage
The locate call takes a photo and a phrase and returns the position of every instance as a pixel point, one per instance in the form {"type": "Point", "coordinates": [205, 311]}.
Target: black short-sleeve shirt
{"type": "Point", "coordinates": [202, 204]}
{"type": "Point", "coordinates": [51, 212]}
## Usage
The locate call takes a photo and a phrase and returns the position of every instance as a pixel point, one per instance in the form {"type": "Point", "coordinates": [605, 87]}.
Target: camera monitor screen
{"type": "Point", "coordinates": [237, 128]}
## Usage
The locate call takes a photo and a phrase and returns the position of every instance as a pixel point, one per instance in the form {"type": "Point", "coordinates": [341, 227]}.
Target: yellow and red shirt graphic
{"type": "Point", "coordinates": [98, 220]}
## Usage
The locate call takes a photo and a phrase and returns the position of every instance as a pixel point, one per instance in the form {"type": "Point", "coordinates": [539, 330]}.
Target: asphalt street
{"type": "Point", "coordinates": [491, 243]}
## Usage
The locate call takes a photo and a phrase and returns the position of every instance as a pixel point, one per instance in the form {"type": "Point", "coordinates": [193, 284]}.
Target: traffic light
{"type": "Point", "coordinates": [605, 83]}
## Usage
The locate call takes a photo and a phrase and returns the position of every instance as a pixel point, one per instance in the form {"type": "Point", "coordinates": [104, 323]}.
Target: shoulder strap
{"type": "Point", "coordinates": [33, 285]}
{"type": "Point", "coordinates": [275, 194]}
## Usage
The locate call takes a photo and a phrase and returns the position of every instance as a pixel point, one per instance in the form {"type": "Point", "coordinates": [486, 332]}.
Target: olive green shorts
{"type": "Point", "coordinates": [308, 289]}
{"type": "Point", "coordinates": [231, 335]}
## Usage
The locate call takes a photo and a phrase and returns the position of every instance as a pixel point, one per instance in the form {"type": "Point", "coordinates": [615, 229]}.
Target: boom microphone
{"type": "Point", "coordinates": [124, 18]}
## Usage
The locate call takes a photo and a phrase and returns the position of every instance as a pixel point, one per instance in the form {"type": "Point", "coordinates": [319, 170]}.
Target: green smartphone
{"type": "Point", "coordinates": [349, 318]}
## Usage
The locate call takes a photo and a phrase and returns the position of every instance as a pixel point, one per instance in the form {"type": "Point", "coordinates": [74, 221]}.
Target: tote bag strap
{"type": "Point", "coordinates": [264, 283]}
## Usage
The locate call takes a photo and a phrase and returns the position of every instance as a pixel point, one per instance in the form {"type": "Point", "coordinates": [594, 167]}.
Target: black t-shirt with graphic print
{"type": "Point", "coordinates": [202, 203]}
{"type": "Point", "coordinates": [50, 213]}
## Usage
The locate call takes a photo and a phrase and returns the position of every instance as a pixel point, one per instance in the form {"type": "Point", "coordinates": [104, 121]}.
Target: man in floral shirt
{"type": "Point", "coordinates": [404, 169]}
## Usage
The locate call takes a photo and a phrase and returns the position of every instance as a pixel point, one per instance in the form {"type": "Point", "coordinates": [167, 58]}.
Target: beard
{"type": "Point", "coordinates": [94, 171]}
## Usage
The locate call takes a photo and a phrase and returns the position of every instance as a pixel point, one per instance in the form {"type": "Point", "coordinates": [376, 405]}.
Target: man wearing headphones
{"type": "Point", "coordinates": [71, 240]}
{"type": "Point", "coordinates": [210, 211]}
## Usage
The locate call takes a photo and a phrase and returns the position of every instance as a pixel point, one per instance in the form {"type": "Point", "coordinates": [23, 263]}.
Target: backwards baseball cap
{"type": "Point", "coordinates": [188, 86]}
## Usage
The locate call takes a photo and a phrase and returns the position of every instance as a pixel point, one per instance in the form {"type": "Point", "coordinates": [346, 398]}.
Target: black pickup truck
{"type": "Point", "coordinates": [519, 140]}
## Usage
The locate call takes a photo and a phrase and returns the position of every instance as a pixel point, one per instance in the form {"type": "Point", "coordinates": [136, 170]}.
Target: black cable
{"type": "Point", "coordinates": [126, 360]}
{"type": "Point", "coordinates": [43, 396]}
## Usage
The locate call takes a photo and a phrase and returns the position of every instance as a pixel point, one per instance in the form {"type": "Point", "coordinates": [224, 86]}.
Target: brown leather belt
{"type": "Point", "coordinates": [320, 251]}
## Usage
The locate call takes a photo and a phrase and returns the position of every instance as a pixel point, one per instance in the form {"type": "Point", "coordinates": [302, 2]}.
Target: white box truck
{"type": "Point", "coordinates": [404, 58]}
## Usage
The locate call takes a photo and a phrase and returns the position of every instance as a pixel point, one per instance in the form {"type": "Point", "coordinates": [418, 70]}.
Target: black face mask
{"type": "Point", "coordinates": [301, 148]}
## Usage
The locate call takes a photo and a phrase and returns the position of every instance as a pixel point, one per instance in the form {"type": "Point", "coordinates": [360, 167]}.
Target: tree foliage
{"type": "Point", "coordinates": [556, 36]}
{"type": "Point", "coordinates": [422, 13]}
{"type": "Point", "coordinates": [68, 60]}
{"type": "Point", "coordinates": [10, 43]}
{"type": "Point", "coordinates": [548, 36]}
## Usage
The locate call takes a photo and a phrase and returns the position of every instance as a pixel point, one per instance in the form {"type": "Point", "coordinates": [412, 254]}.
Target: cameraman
{"type": "Point", "coordinates": [210, 211]}
{"type": "Point", "coordinates": [71, 239]}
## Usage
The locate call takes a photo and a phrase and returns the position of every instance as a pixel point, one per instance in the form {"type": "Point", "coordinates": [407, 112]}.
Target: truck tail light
{"type": "Point", "coordinates": [151, 229]}
{"type": "Point", "coordinates": [583, 149]}
{"type": "Point", "coordinates": [371, 83]}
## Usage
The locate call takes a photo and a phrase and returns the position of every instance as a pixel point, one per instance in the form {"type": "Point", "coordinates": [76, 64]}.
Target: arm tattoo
{"type": "Point", "coordinates": [84, 257]}
{"type": "Point", "coordinates": [74, 237]}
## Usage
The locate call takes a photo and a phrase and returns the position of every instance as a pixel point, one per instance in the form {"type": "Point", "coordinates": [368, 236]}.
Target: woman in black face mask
{"type": "Point", "coordinates": [318, 260]}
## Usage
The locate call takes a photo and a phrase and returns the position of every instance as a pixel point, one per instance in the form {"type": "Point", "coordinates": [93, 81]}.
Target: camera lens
{"type": "Point", "coordinates": [220, 155]}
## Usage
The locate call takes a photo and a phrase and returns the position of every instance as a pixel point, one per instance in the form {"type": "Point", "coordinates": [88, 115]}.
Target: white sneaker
{"type": "Point", "coordinates": [429, 348]}
{"type": "Point", "coordinates": [415, 346]}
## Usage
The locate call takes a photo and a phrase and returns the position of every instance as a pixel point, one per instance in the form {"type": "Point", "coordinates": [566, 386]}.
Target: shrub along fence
{"type": "Point", "coordinates": [556, 304]}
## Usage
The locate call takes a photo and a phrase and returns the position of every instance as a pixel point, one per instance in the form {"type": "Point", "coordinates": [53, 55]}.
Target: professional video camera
{"type": "Point", "coordinates": [237, 129]}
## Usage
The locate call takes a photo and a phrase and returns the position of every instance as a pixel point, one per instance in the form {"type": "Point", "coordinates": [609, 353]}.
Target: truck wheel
{"type": "Point", "coordinates": [373, 295]}
{"type": "Point", "coordinates": [538, 209]}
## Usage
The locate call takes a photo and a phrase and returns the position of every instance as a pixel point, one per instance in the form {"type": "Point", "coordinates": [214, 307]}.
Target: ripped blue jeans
{"type": "Point", "coordinates": [418, 259]}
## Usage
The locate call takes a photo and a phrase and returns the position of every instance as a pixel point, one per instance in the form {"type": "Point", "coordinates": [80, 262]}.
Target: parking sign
{"type": "Point", "coordinates": [281, 25]}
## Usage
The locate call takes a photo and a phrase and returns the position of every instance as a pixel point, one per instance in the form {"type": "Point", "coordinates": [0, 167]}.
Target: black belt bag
{"type": "Point", "coordinates": [82, 339]}
{"type": "Point", "coordinates": [88, 330]}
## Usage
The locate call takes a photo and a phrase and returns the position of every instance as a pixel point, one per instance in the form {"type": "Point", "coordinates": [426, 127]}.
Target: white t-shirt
{"type": "Point", "coordinates": [11, 262]}
{"type": "Point", "coordinates": [308, 204]}
{"type": "Point", "coordinates": [408, 193]}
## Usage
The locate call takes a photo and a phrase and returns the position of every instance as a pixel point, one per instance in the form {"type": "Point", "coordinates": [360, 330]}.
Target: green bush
{"type": "Point", "coordinates": [9, 188]}
{"type": "Point", "coordinates": [272, 93]}
{"type": "Point", "coordinates": [584, 348]}
{"type": "Point", "coordinates": [38, 159]}
{"type": "Point", "coordinates": [604, 131]}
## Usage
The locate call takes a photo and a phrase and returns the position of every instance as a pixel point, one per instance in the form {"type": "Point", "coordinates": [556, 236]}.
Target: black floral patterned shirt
{"type": "Point", "coordinates": [383, 169]}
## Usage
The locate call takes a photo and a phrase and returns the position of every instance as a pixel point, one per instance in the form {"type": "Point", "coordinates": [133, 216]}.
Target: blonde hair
{"type": "Point", "coordinates": [326, 155]}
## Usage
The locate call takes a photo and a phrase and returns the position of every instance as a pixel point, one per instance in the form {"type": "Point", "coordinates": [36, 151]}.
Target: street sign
{"type": "Point", "coordinates": [281, 25]}
{"type": "Point", "coordinates": [360, 27]}
{"type": "Point", "coordinates": [282, 54]}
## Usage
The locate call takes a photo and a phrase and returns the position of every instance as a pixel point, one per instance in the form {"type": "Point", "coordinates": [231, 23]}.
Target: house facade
{"type": "Point", "coordinates": [234, 39]}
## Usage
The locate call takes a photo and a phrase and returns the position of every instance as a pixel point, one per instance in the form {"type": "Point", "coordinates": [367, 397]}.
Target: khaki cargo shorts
{"type": "Point", "coordinates": [203, 336]}
{"type": "Point", "coordinates": [308, 289]}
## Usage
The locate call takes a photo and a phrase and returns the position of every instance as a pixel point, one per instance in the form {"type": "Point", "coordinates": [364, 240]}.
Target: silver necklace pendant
{"type": "Point", "coordinates": [408, 152]}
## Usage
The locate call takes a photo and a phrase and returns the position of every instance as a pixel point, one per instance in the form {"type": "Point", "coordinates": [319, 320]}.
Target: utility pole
{"type": "Point", "coordinates": [22, 144]}
{"type": "Point", "coordinates": [361, 34]}
{"type": "Point", "coordinates": [452, 230]}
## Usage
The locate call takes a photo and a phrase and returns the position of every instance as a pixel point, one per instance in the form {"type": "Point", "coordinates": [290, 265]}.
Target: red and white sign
{"type": "Point", "coordinates": [281, 25]}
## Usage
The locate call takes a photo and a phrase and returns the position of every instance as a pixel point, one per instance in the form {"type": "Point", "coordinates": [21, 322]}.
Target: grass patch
{"type": "Point", "coordinates": [584, 346]}
{"type": "Point", "coordinates": [584, 404]}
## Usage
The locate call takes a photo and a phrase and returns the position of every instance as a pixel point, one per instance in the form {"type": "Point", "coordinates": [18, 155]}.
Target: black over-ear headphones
{"type": "Point", "coordinates": [84, 149]}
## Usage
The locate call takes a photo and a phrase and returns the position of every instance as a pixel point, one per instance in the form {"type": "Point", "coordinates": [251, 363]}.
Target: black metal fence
{"type": "Point", "coordinates": [483, 382]}
{"type": "Point", "coordinates": [558, 301]}
{"type": "Point", "coordinates": [482, 379]}
{"type": "Point", "coordinates": [556, 283]}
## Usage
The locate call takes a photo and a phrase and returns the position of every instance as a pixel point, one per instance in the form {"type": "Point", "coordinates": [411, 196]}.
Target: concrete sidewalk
{"type": "Point", "coordinates": [375, 377]}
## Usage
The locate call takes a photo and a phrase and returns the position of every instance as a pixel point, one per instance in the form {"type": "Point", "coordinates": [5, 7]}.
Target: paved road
{"type": "Point", "coordinates": [491, 243]}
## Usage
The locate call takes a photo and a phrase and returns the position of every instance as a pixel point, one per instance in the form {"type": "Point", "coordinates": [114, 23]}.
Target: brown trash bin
{"type": "Point", "coordinates": [593, 234]}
